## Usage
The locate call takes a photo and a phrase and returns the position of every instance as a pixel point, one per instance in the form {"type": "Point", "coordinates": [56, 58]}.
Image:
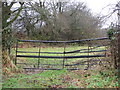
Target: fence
{"type": "Point", "coordinates": [56, 55]}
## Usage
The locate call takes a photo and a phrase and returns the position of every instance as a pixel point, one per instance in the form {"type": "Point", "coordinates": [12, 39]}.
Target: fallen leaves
{"type": "Point", "coordinates": [55, 86]}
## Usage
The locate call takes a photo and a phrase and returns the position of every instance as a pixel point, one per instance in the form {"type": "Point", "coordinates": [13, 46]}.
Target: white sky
{"type": "Point", "coordinates": [97, 5]}
{"type": "Point", "coordinates": [101, 7]}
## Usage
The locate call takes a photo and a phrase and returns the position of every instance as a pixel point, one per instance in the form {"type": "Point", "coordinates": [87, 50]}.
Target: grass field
{"type": "Point", "coordinates": [60, 78]}
{"type": "Point", "coordinates": [63, 79]}
{"type": "Point", "coordinates": [58, 63]}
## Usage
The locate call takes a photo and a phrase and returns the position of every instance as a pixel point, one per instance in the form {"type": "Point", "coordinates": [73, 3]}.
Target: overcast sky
{"type": "Point", "coordinates": [103, 7]}
{"type": "Point", "coordinates": [97, 5]}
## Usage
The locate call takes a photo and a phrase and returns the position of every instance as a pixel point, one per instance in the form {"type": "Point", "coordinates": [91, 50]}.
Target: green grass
{"type": "Point", "coordinates": [54, 61]}
{"type": "Point", "coordinates": [64, 79]}
{"type": "Point", "coordinates": [60, 78]}
{"type": "Point", "coordinates": [36, 80]}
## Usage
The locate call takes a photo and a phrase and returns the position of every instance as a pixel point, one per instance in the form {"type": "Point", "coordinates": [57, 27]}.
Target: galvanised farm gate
{"type": "Point", "coordinates": [81, 55]}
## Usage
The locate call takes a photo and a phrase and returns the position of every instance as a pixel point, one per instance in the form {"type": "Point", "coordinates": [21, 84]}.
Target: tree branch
{"type": "Point", "coordinates": [19, 10]}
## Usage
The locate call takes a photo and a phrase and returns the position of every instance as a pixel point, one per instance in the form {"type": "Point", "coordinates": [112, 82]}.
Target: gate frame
{"type": "Point", "coordinates": [64, 57]}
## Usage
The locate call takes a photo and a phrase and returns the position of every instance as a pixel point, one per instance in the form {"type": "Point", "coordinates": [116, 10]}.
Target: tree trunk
{"type": "Point", "coordinates": [118, 39]}
{"type": "Point", "coordinates": [6, 14]}
{"type": "Point", "coordinates": [119, 48]}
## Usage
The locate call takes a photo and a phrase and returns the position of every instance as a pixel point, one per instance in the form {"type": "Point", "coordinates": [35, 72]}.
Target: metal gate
{"type": "Point", "coordinates": [57, 55]}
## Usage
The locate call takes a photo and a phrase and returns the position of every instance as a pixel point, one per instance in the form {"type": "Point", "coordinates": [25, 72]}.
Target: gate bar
{"type": "Point", "coordinates": [84, 56]}
{"type": "Point", "coordinates": [16, 52]}
{"type": "Point", "coordinates": [72, 41]}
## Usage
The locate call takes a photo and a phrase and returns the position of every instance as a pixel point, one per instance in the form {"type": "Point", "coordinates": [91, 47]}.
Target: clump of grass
{"type": "Point", "coordinates": [8, 67]}
{"type": "Point", "coordinates": [39, 80]}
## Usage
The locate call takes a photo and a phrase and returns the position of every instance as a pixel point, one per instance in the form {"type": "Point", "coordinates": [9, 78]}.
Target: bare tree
{"type": "Point", "coordinates": [60, 20]}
